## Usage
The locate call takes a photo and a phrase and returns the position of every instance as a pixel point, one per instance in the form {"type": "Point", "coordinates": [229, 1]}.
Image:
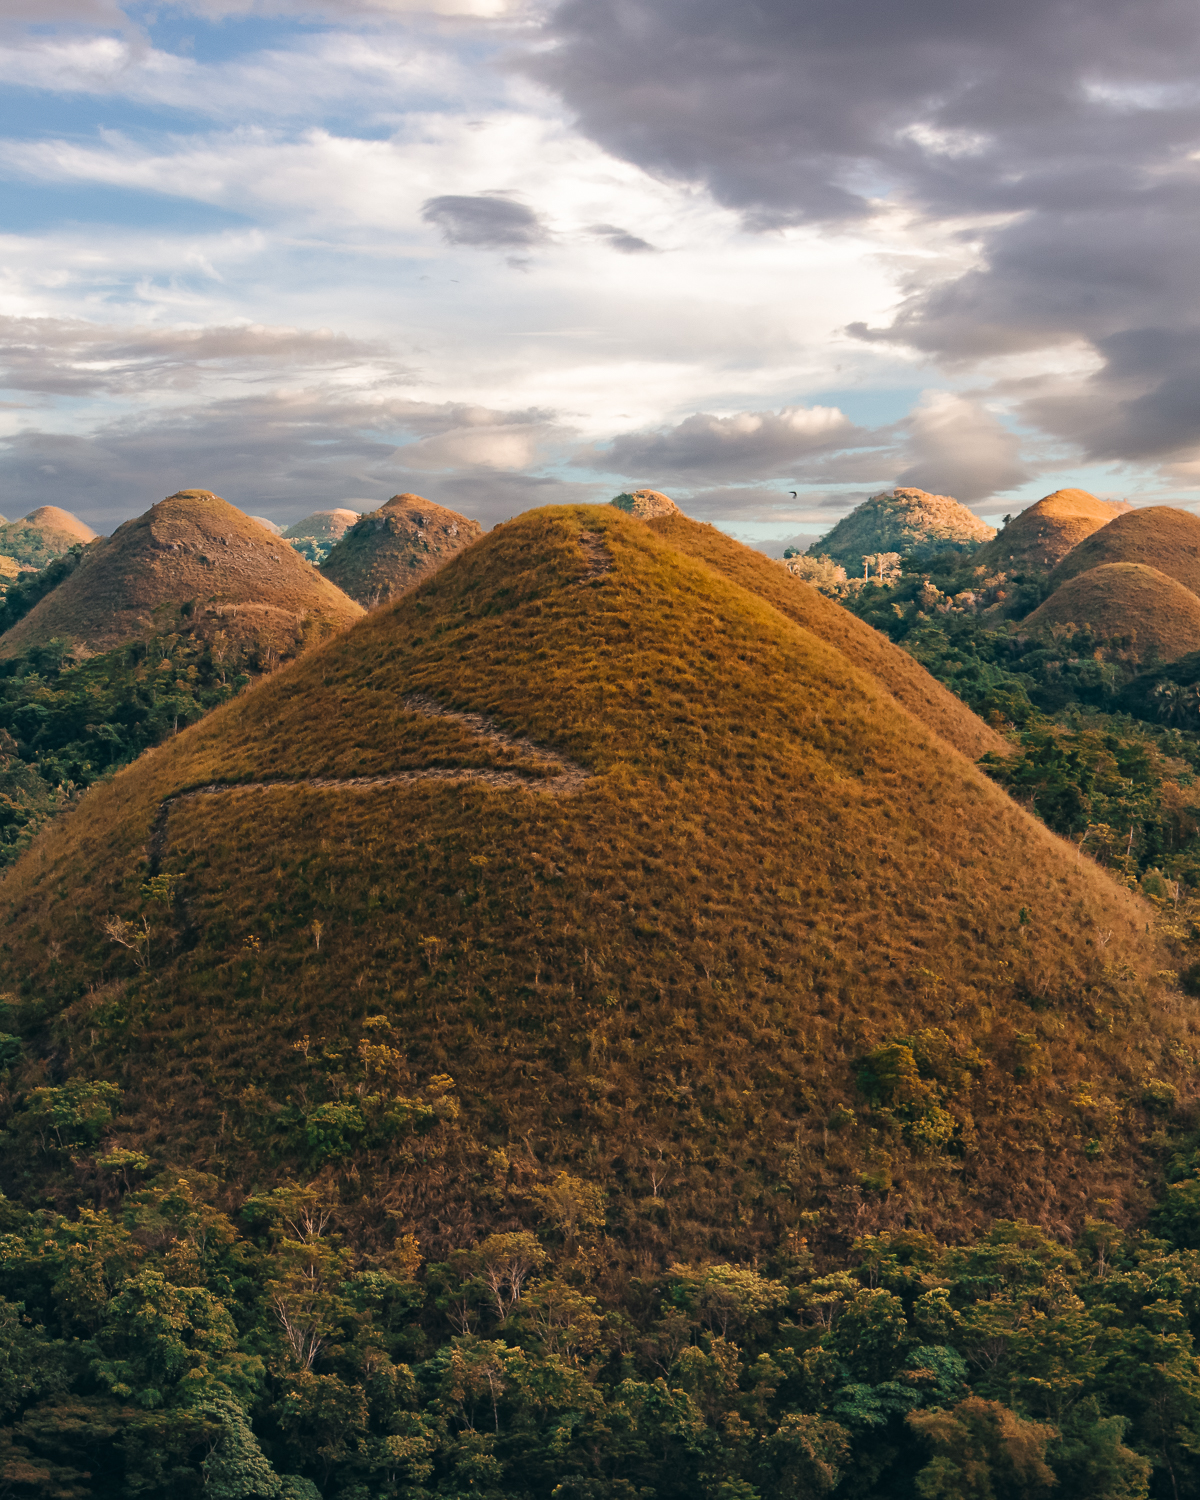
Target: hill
{"type": "Point", "coordinates": [191, 563]}
{"type": "Point", "coordinates": [323, 525]}
{"type": "Point", "coordinates": [1039, 537]}
{"type": "Point", "coordinates": [1157, 536]}
{"type": "Point", "coordinates": [390, 550]}
{"type": "Point", "coordinates": [1161, 617]}
{"type": "Point", "coordinates": [43, 535]}
{"type": "Point", "coordinates": [583, 857]}
{"type": "Point", "coordinates": [893, 668]}
{"type": "Point", "coordinates": [645, 504]}
{"type": "Point", "coordinates": [910, 522]}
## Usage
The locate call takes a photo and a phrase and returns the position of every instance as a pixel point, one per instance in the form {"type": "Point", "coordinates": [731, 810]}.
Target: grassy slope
{"type": "Point", "coordinates": [1158, 536]}
{"type": "Point", "coordinates": [774, 871]}
{"type": "Point", "coordinates": [908, 682]}
{"type": "Point", "coordinates": [191, 546]}
{"type": "Point", "coordinates": [1160, 614]}
{"type": "Point", "coordinates": [1042, 535]}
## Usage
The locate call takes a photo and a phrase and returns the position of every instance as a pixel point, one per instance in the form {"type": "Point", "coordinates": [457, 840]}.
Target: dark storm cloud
{"type": "Point", "coordinates": [1060, 136]}
{"type": "Point", "coordinates": [487, 221]}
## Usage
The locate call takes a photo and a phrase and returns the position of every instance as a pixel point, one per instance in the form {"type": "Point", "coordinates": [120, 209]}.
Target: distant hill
{"type": "Point", "coordinates": [910, 522]}
{"type": "Point", "coordinates": [324, 525]}
{"type": "Point", "coordinates": [191, 562]}
{"type": "Point", "coordinates": [43, 535]}
{"type": "Point", "coordinates": [1158, 536]}
{"type": "Point", "coordinates": [645, 504]}
{"type": "Point", "coordinates": [1119, 599]}
{"type": "Point", "coordinates": [1039, 537]}
{"type": "Point", "coordinates": [390, 550]}
{"type": "Point", "coordinates": [584, 856]}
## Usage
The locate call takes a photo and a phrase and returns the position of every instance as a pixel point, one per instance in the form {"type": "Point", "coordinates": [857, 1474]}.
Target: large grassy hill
{"type": "Point", "coordinates": [660, 886]}
{"type": "Point", "coordinates": [1160, 616]}
{"type": "Point", "coordinates": [1157, 536]}
{"type": "Point", "coordinates": [1041, 535]}
{"type": "Point", "coordinates": [196, 553]}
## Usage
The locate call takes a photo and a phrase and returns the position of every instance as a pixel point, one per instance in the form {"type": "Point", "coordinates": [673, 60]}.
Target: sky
{"type": "Point", "coordinates": [770, 258]}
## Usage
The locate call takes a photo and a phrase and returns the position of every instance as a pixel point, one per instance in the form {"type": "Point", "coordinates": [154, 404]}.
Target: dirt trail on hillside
{"type": "Point", "coordinates": [566, 776]}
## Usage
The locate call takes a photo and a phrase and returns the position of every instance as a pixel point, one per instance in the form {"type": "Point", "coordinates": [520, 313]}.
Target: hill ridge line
{"type": "Point", "coordinates": [572, 776]}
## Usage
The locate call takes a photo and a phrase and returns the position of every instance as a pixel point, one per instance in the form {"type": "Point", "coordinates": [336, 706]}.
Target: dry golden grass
{"type": "Point", "coordinates": [390, 550]}
{"type": "Point", "coordinates": [1158, 536]}
{"type": "Point", "coordinates": [1043, 534]}
{"type": "Point", "coordinates": [893, 668]}
{"type": "Point", "coordinates": [671, 974]}
{"type": "Point", "coordinates": [193, 548]}
{"type": "Point", "coordinates": [1161, 615]}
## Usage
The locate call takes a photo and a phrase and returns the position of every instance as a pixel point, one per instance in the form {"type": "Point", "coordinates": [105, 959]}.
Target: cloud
{"type": "Point", "coordinates": [958, 448]}
{"type": "Point", "coordinates": [621, 240]}
{"type": "Point", "coordinates": [286, 453]}
{"type": "Point", "coordinates": [487, 221]}
{"type": "Point", "coordinates": [58, 356]}
{"type": "Point", "coordinates": [748, 445]}
{"type": "Point", "coordinates": [1056, 142]}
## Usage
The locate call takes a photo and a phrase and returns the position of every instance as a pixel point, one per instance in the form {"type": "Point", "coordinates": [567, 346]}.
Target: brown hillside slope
{"type": "Point", "coordinates": [894, 669]}
{"type": "Point", "coordinates": [1162, 616]}
{"type": "Point", "coordinates": [192, 550]}
{"type": "Point", "coordinates": [42, 535]}
{"type": "Point", "coordinates": [1042, 535]}
{"type": "Point", "coordinates": [1158, 536]}
{"type": "Point", "coordinates": [733, 871]}
{"type": "Point", "coordinates": [390, 550]}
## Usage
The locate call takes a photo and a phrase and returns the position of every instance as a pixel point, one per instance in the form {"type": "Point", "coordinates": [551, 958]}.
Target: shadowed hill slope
{"type": "Point", "coordinates": [1040, 536]}
{"type": "Point", "coordinates": [44, 534]}
{"type": "Point", "coordinates": [1158, 536]}
{"type": "Point", "coordinates": [661, 880]}
{"type": "Point", "coordinates": [892, 667]}
{"type": "Point", "coordinates": [910, 522]}
{"type": "Point", "coordinates": [191, 551]}
{"type": "Point", "coordinates": [390, 550]}
{"type": "Point", "coordinates": [1161, 616]}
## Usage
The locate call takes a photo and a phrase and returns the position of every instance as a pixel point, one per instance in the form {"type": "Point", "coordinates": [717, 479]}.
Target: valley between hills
{"type": "Point", "coordinates": [589, 1010]}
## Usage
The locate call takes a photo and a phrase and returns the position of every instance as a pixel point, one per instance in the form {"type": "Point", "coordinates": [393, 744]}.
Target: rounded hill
{"type": "Point", "coordinates": [1040, 536]}
{"type": "Point", "coordinates": [390, 550]}
{"type": "Point", "coordinates": [1160, 617]}
{"type": "Point", "coordinates": [323, 525]}
{"type": "Point", "coordinates": [583, 856]}
{"type": "Point", "coordinates": [190, 562]}
{"type": "Point", "coordinates": [910, 522]}
{"type": "Point", "coordinates": [1157, 536]}
{"type": "Point", "coordinates": [645, 504]}
{"type": "Point", "coordinates": [44, 534]}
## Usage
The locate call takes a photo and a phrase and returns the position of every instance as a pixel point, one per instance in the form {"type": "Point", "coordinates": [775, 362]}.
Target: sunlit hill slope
{"type": "Point", "coordinates": [674, 890]}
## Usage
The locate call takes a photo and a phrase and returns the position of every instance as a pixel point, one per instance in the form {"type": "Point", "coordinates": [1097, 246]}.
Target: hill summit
{"type": "Point", "coordinates": [910, 522]}
{"type": "Point", "coordinates": [1039, 537]}
{"type": "Point", "coordinates": [390, 550]}
{"type": "Point", "coordinates": [323, 525]}
{"type": "Point", "coordinates": [585, 857]}
{"type": "Point", "coordinates": [193, 562]}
